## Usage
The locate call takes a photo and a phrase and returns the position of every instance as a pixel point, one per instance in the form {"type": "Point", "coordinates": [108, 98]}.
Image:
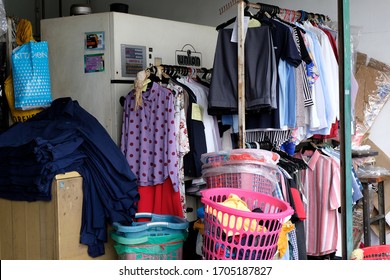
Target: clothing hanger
{"type": "Point", "coordinates": [306, 146]}
{"type": "Point", "coordinates": [205, 72]}
{"type": "Point", "coordinates": [187, 71]}
{"type": "Point", "coordinates": [232, 20]}
{"type": "Point", "coordinates": [167, 69]}
{"type": "Point", "coordinates": [303, 16]}
{"type": "Point", "coordinates": [265, 13]}
{"type": "Point", "coordinates": [153, 79]}
{"type": "Point", "coordinates": [312, 146]}
{"type": "Point", "coordinates": [153, 74]}
{"type": "Point", "coordinates": [170, 71]}
{"type": "Point", "coordinates": [122, 100]}
{"type": "Point", "coordinates": [270, 9]}
{"type": "Point", "coordinates": [294, 16]}
{"type": "Point", "coordinates": [290, 24]}
{"type": "Point", "coordinates": [313, 19]}
{"type": "Point", "coordinates": [319, 18]}
{"type": "Point", "coordinates": [264, 18]}
{"type": "Point", "coordinates": [201, 77]}
{"type": "Point", "coordinates": [288, 162]}
{"type": "Point", "coordinates": [286, 15]}
{"type": "Point", "coordinates": [175, 72]}
{"type": "Point", "coordinates": [283, 15]}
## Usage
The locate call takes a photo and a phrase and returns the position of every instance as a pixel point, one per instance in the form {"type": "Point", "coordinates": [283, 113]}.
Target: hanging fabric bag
{"type": "Point", "coordinates": [31, 75]}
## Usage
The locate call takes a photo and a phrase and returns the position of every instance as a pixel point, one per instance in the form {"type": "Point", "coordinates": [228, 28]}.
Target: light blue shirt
{"type": "Point", "coordinates": [322, 99]}
{"type": "Point", "coordinates": [291, 116]}
{"type": "Point", "coordinates": [356, 185]}
{"type": "Point", "coordinates": [287, 95]}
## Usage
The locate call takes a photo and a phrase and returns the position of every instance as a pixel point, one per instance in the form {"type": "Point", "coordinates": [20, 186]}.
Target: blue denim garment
{"type": "Point", "coordinates": [63, 138]}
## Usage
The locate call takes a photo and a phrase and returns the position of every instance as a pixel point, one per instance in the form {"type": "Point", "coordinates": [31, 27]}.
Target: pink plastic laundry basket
{"type": "Point", "coordinates": [250, 181]}
{"type": "Point", "coordinates": [258, 177]}
{"type": "Point", "coordinates": [231, 234]}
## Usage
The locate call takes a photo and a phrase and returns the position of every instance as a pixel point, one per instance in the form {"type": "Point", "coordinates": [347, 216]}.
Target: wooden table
{"type": "Point", "coordinates": [380, 217]}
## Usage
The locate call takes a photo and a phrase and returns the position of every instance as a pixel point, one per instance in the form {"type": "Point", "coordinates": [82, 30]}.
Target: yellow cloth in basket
{"type": "Point", "coordinates": [235, 202]}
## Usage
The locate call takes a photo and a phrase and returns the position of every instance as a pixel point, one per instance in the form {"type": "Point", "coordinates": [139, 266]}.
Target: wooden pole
{"type": "Point", "coordinates": [241, 75]}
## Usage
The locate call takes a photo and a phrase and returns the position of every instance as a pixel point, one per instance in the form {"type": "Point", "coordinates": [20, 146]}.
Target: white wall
{"type": "Point", "coordinates": [194, 11]}
{"type": "Point", "coordinates": [370, 16]}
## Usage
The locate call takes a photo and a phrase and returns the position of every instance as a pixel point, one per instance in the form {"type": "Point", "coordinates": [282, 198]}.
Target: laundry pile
{"type": "Point", "coordinates": [64, 138]}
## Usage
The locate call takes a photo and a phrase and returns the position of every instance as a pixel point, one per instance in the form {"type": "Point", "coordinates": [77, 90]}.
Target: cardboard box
{"type": "Point", "coordinates": [44, 230]}
{"type": "Point", "coordinates": [373, 79]}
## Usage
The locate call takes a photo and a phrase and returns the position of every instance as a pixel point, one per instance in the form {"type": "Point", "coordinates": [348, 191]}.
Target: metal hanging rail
{"type": "Point", "coordinates": [269, 8]}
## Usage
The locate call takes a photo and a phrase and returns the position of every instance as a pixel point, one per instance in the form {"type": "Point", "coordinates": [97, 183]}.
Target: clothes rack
{"type": "Point", "coordinates": [344, 95]}
{"type": "Point", "coordinates": [271, 10]}
{"type": "Point", "coordinates": [182, 70]}
{"type": "Point", "coordinates": [157, 72]}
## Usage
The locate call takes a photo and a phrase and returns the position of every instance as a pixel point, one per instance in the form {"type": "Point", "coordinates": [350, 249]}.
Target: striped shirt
{"type": "Point", "coordinates": [321, 187]}
{"type": "Point", "coordinates": [308, 99]}
{"type": "Point", "coordinates": [276, 136]}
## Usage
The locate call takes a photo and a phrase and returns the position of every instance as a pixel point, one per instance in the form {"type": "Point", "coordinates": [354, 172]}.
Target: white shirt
{"type": "Point", "coordinates": [213, 141]}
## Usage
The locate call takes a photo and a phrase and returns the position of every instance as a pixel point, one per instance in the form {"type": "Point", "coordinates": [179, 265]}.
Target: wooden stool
{"type": "Point", "coordinates": [380, 218]}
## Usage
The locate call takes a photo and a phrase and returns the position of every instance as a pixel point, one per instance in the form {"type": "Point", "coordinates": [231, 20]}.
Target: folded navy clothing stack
{"type": "Point", "coordinates": [64, 138]}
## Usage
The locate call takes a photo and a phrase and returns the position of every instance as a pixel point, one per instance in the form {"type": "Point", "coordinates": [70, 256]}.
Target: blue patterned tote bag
{"type": "Point", "coordinates": [31, 76]}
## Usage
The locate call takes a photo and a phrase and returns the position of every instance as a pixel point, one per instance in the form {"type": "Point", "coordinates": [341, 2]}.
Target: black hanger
{"type": "Point", "coordinates": [122, 100]}
{"type": "Point", "coordinates": [170, 71]}
{"type": "Point", "coordinates": [311, 17]}
{"type": "Point", "coordinates": [154, 79]}
{"type": "Point", "coordinates": [184, 71]}
{"type": "Point", "coordinates": [304, 16]}
{"type": "Point", "coordinates": [167, 69]}
{"type": "Point", "coordinates": [307, 146]}
{"type": "Point", "coordinates": [269, 9]}
{"type": "Point", "coordinates": [265, 14]}
{"type": "Point", "coordinates": [290, 161]}
{"type": "Point", "coordinates": [266, 144]}
{"type": "Point", "coordinates": [205, 72]}
{"type": "Point", "coordinates": [186, 88]}
{"type": "Point", "coordinates": [153, 74]}
{"type": "Point", "coordinates": [264, 20]}
{"type": "Point", "coordinates": [232, 20]}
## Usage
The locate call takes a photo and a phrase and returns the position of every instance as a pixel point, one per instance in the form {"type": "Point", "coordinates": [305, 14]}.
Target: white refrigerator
{"type": "Point", "coordinates": [94, 58]}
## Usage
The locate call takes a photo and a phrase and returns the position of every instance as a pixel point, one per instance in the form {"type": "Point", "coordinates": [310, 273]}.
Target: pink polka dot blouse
{"type": "Point", "coordinates": [148, 138]}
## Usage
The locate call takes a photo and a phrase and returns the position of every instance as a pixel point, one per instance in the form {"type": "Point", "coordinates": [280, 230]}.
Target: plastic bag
{"type": "Point", "coordinates": [372, 171]}
{"type": "Point", "coordinates": [355, 32]}
{"type": "Point", "coordinates": [31, 74]}
{"type": "Point", "coordinates": [3, 19]}
{"type": "Point", "coordinates": [222, 157]}
{"type": "Point", "coordinates": [17, 115]}
{"type": "Point", "coordinates": [23, 35]}
{"type": "Point", "coordinates": [373, 93]}
{"type": "Point", "coordinates": [266, 170]}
